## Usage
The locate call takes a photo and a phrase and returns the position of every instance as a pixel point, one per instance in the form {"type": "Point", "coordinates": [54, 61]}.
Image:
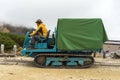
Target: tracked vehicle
{"type": "Point", "coordinates": [71, 44]}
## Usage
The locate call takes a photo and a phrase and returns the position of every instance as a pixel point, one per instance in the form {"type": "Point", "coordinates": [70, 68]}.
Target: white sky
{"type": "Point", "coordinates": [26, 12]}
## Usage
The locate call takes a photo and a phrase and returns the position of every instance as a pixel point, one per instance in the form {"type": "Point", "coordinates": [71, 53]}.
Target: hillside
{"type": "Point", "coordinates": [8, 28]}
{"type": "Point", "coordinates": [4, 29]}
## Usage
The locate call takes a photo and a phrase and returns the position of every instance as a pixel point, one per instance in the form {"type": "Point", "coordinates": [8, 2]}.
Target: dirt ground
{"type": "Point", "coordinates": [23, 68]}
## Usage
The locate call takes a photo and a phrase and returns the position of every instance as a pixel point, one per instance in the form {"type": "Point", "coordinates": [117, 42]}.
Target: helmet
{"type": "Point", "coordinates": [38, 21]}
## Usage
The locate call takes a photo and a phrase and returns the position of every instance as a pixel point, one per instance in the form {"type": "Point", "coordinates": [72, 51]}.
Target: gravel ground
{"type": "Point", "coordinates": [23, 68]}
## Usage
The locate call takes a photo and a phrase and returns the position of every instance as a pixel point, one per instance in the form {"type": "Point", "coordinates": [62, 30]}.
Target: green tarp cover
{"type": "Point", "coordinates": [80, 34]}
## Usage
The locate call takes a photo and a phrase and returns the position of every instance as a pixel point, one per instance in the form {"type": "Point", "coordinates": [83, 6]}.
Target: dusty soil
{"type": "Point", "coordinates": [23, 68]}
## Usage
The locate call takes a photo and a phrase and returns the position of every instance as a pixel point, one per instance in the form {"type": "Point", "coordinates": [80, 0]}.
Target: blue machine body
{"type": "Point", "coordinates": [40, 47]}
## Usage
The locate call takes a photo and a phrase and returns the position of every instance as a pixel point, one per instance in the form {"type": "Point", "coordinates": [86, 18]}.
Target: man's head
{"type": "Point", "coordinates": [38, 21]}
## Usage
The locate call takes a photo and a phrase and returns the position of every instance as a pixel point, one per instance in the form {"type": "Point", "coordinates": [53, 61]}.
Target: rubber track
{"type": "Point", "coordinates": [63, 54]}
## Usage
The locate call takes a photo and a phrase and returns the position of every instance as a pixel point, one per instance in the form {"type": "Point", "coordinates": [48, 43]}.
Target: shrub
{"type": "Point", "coordinates": [8, 42]}
{"type": "Point", "coordinates": [11, 39]}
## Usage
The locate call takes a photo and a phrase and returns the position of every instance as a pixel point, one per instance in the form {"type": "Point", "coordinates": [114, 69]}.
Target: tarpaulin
{"type": "Point", "coordinates": [80, 34]}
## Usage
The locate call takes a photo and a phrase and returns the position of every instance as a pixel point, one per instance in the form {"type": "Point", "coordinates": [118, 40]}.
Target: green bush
{"type": "Point", "coordinates": [19, 39]}
{"type": "Point", "coordinates": [11, 39]}
{"type": "Point", "coordinates": [8, 42]}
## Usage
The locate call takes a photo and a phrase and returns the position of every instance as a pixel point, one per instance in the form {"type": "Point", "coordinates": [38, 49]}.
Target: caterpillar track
{"type": "Point", "coordinates": [63, 60]}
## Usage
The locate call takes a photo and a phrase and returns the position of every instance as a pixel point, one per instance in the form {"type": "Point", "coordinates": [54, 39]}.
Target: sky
{"type": "Point", "coordinates": [26, 12]}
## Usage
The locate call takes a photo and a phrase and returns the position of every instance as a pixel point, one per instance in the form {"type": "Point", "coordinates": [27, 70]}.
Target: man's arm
{"type": "Point", "coordinates": [34, 32]}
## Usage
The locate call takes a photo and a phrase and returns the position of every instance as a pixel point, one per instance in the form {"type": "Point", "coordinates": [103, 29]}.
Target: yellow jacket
{"type": "Point", "coordinates": [44, 30]}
